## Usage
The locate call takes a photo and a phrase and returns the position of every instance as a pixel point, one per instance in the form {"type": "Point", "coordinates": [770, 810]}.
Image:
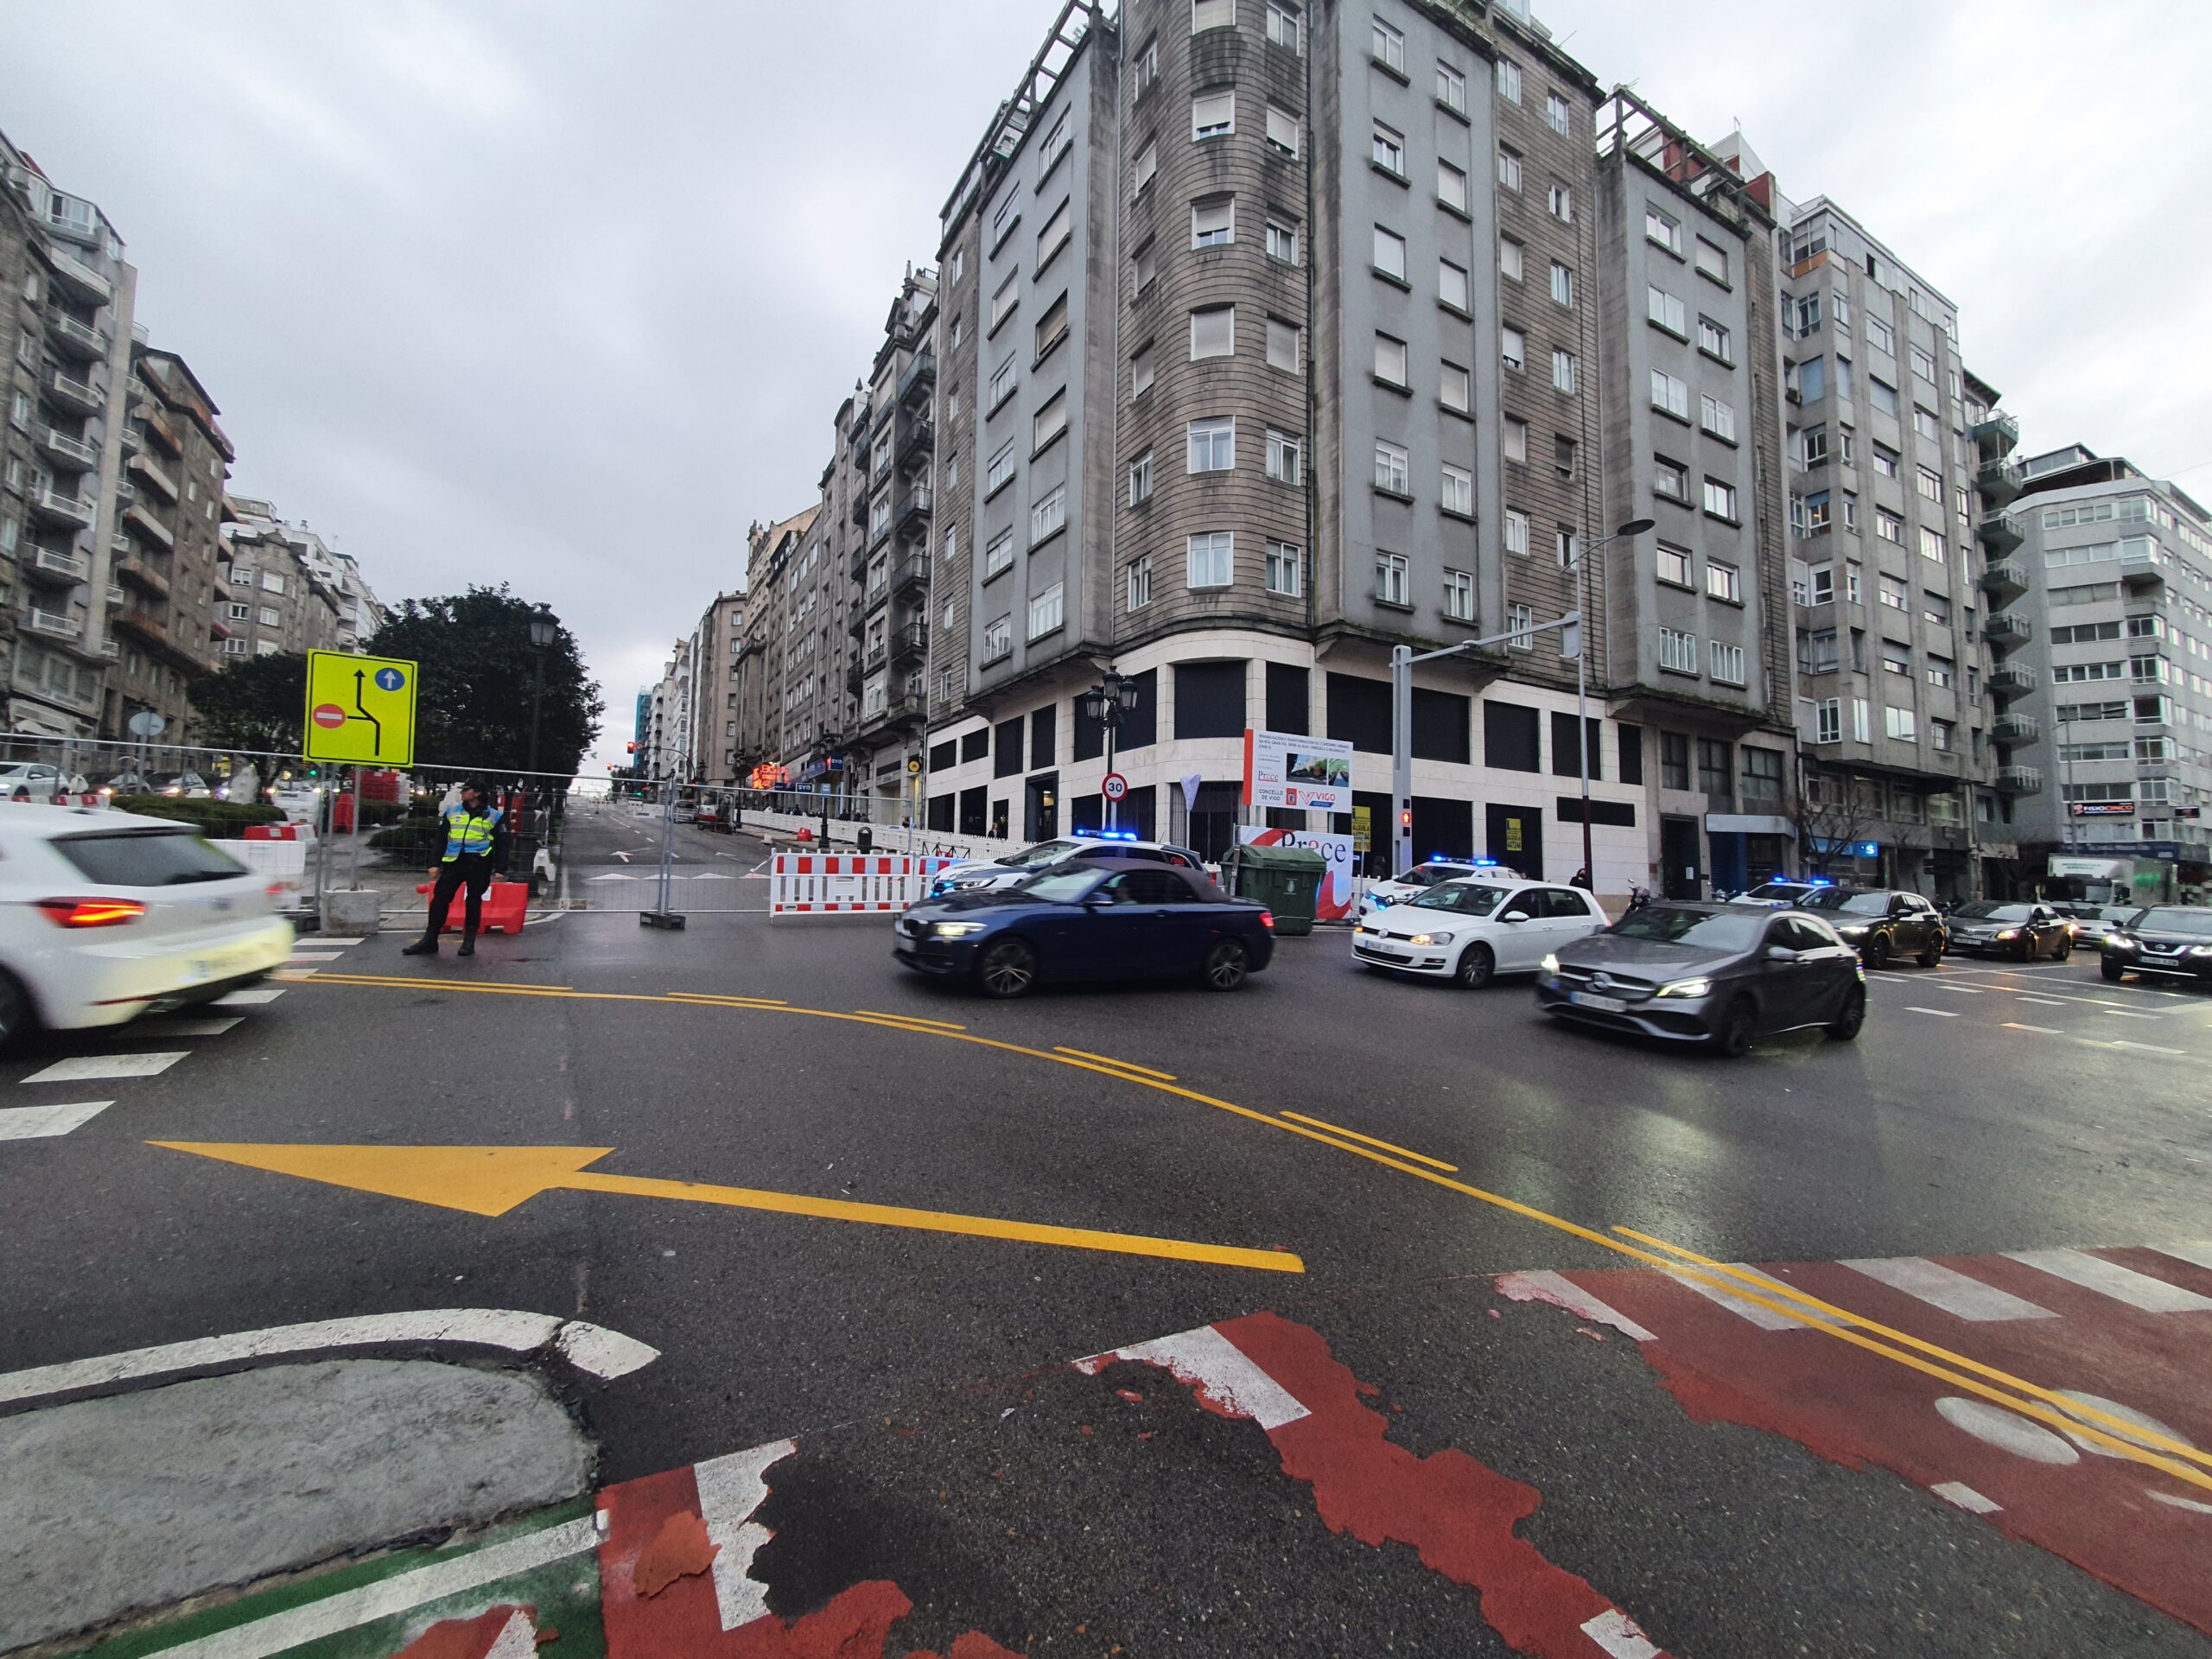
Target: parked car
{"type": "Point", "coordinates": [105, 916]}
{"type": "Point", "coordinates": [188, 783]}
{"type": "Point", "coordinates": [712, 815]}
{"type": "Point", "coordinates": [126, 782]}
{"type": "Point", "coordinates": [1883, 923]}
{"type": "Point", "coordinates": [2173, 939]}
{"type": "Point", "coordinates": [2027, 930]}
{"type": "Point", "coordinates": [1419, 879]}
{"type": "Point", "coordinates": [1471, 931]}
{"type": "Point", "coordinates": [1089, 919]}
{"type": "Point", "coordinates": [1780, 895]}
{"type": "Point", "coordinates": [2091, 923]}
{"type": "Point", "coordinates": [1721, 975]}
{"type": "Point", "coordinates": [981, 874]}
{"type": "Point", "coordinates": [38, 780]}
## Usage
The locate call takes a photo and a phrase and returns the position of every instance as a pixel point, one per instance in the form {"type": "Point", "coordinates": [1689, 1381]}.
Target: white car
{"type": "Point", "coordinates": [1471, 931]}
{"type": "Point", "coordinates": [105, 916]}
{"type": "Point", "coordinates": [1014, 869]}
{"type": "Point", "coordinates": [1780, 895]}
{"type": "Point", "coordinates": [37, 780]}
{"type": "Point", "coordinates": [1419, 879]}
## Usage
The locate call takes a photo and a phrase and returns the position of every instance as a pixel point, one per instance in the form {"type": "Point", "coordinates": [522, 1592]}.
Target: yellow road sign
{"type": "Point", "coordinates": [360, 709]}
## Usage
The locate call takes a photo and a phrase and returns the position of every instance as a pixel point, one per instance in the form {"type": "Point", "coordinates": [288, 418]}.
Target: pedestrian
{"type": "Point", "coordinates": [1581, 879]}
{"type": "Point", "coordinates": [470, 824]}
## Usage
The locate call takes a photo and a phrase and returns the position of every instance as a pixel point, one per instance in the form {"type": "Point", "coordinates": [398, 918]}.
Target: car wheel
{"type": "Point", "coordinates": [1477, 964]}
{"type": "Point", "coordinates": [2112, 970]}
{"type": "Point", "coordinates": [1228, 964]}
{"type": "Point", "coordinates": [1851, 1016]}
{"type": "Point", "coordinates": [17, 1015]}
{"type": "Point", "coordinates": [1877, 951]}
{"type": "Point", "coordinates": [1008, 968]}
{"type": "Point", "coordinates": [2065, 950]}
{"type": "Point", "coordinates": [21, 794]}
{"type": "Point", "coordinates": [2028, 949]}
{"type": "Point", "coordinates": [1934, 954]}
{"type": "Point", "coordinates": [1739, 1024]}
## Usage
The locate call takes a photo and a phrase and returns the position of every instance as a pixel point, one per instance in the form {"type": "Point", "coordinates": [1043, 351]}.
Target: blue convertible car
{"type": "Point", "coordinates": [1105, 919]}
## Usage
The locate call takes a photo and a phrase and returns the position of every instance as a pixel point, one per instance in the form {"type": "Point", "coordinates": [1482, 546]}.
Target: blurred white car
{"type": "Point", "coordinates": [105, 916]}
{"type": "Point", "coordinates": [1014, 869]}
{"type": "Point", "coordinates": [1419, 879]}
{"type": "Point", "coordinates": [1780, 895]}
{"type": "Point", "coordinates": [1471, 930]}
{"type": "Point", "coordinates": [37, 780]}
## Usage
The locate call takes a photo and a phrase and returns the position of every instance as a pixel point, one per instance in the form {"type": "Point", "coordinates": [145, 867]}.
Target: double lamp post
{"type": "Point", "coordinates": [1113, 700]}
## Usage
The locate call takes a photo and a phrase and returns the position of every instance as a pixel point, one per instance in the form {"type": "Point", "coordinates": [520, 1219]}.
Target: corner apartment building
{"type": "Point", "coordinates": [2112, 585]}
{"type": "Point", "coordinates": [791, 646]}
{"type": "Point", "coordinates": [714, 646]}
{"type": "Point", "coordinates": [274, 596]}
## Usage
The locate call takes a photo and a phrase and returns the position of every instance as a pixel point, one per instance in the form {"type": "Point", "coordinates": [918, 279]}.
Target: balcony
{"type": "Point", "coordinates": [2008, 630]}
{"type": "Point", "coordinates": [860, 509]}
{"type": "Point", "coordinates": [911, 574]}
{"type": "Point", "coordinates": [1998, 481]}
{"type": "Point", "coordinates": [2012, 731]}
{"type": "Point", "coordinates": [50, 506]}
{"type": "Point", "coordinates": [163, 433]}
{"type": "Point", "coordinates": [912, 510]}
{"type": "Point", "coordinates": [2143, 570]}
{"type": "Point", "coordinates": [877, 655]}
{"type": "Point", "coordinates": [80, 341]}
{"type": "Point", "coordinates": [61, 564]}
{"type": "Point", "coordinates": [921, 440]}
{"type": "Point", "coordinates": [856, 624]}
{"type": "Point", "coordinates": [116, 597]}
{"type": "Point", "coordinates": [2004, 581]}
{"type": "Point", "coordinates": [70, 394]}
{"type": "Point", "coordinates": [1999, 534]}
{"type": "Point", "coordinates": [138, 518]}
{"type": "Point", "coordinates": [139, 574]}
{"type": "Point", "coordinates": [82, 283]}
{"type": "Point", "coordinates": [2020, 780]}
{"type": "Point", "coordinates": [1995, 437]}
{"type": "Point", "coordinates": [143, 626]}
{"type": "Point", "coordinates": [218, 629]}
{"type": "Point", "coordinates": [57, 625]}
{"type": "Point", "coordinates": [2009, 680]}
{"type": "Point", "coordinates": [911, 644]}
{"type": "Point", "coordinates": [920, 375]}
{"type": "Point", "coordinates": [112, 648]}
{"type": "Point", "coordinates": [60, 448]}
{"type": "Point", "coordinates": [132, 443]}
{"type": "Point", "coordinates": [164, 485]}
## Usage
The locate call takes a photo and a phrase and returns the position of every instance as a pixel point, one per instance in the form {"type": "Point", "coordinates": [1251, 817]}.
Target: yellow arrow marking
{"type": "Point", "coordinates": [492, 1181]}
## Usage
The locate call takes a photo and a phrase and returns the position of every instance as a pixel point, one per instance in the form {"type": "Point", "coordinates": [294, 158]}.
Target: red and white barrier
{"type": "Point", "coordinates": [844, 884]}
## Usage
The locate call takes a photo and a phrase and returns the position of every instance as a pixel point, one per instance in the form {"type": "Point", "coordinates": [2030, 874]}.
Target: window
{"type": "Point", "coordinates": [1213, 224]}
{"type": "Point", "coordinates": [1677, 651]}
{"type": "Point", "coordinates": [998, 554]}
{"type": "Point", "coordinates": [1390, 472]}
{"type": "Point", "coordinates": [241, 576]}
{"type": "Point", "coordinates": [1508, 258]}
{"type": "Point", "coordinates": [1823, 590]}
{"type": "Point", "coordinates": [1005, 217]}
{"type": "Point", "coordinates": [1508, 80]}
{"type": "Point", "coordinates": [1450, 88]}
{"type": "Point", "coordinates": [1675, 566]}
{"type": "Point", "coordinates": [1389, 360]}
{"type": "Point", "coordinates": [1139, 583]}
{"type": "Point", "coordinates": [1924, 364]}
{"type": "Point", "coordinates": [1899, 723]}
{"type": "Point", "coordinates": [1925, 424]}
{"type": "Point", "coordinates": [1562, 284]}
{"type": "Point", "coordinates": [1662, 227]}
{"type": "Point", "coordinates": [1141, 371]}
{"type": "Point", "coordinates": [1720, 500]}
{"type": "Point", "coordinates": [1670, 478]}
{"type": "Point", "coordinates": [1885, 461]}
{"type": "Point", "coordinates": [1144, 69]}
{"type": "Point", "coordinates": [1517, 531]}
{"type": "Point", "coordinates": [1521, 627]}
{"type": "Point", "coordinates": [1568, 546]}
{"type": "Point", "coordinates": [1056, 144]}
{"type": "Point", "coordinates": [1932, 545]}
{"type": "Point", "coordinates": [1140, 478]}
{"type": "Point", "coordinates": [1285, 569]}
{"type": "Point", "coordinates": [1459, 596]}
{"type": "Point", "coordinates": [1004, 300]}
{"type": "Point", "coordinates": [239, 612]}
{"type": "Point", "coordinates": [1717, 417]}
{"type": "Point", "coordinates": [1286, 458]}
{"type": "Point", "coordinates": [1931, 485]}
{"type": "Point", "coordinates": [1888, 525]}
{"type": "Point", "coordinates": [1827, 721]}
{"type": "Point", "coordinates": [1673, 760]}
{"type": "Point", "coordinates": [1881, 336]}
{"type": "Point", "coordinates": [1388, 152]}
{"type": "Point", "coordinates": [1883, 397]}
{"type": "Point", "coordinates": [1941, 672]}
{"type": "Point", "coordinates": [271, 582]}
{"type": "Point", "coordinates": [1282, 132]}
{"type": "Point", "coordinates": [1053, 327]}
{"type": "Point", "coordinates": [1723, 582]}
{"type": "Point", "coordinates": [1560, 203]}
{"type": "Point", "coordinates": [1044, 611]}
{"type": "Point", "coordinates": [1048, 514]}
{"type": "Point", "coordinates": [1050, 420]}
{"type": "Point", "coordinates": [1392, 580]}
{"type": "Point", "coordinates": [1285, 27]}
{"type": "Point", "coordinates": [1213, 332]}
{"type": "Point", "coordinates": [1387, 46]}
{"type": "Point", "coordinates": [1562, 370]}
{"type": "Point", "coordinates": [1563, 454]}
{"type": "Point", "coordinates": [1712, 339]}
{"type": "Point", "coordinates": [1716, 767]}
{"type": "Point", "coordinates": [1451, 186]}
{"type": "Point", "coordinates": [1712, 261]}
{"type": "Point", "coordinates": [1451, 286]}
{"type": "Point", "coordinates": [1213, 115]}
{"type": "Point", "coordinates": [1670, 394]}
{"type": "Point", "coordinates": [1284, 342]}
{"type": "Point", "coordinates": [1390, 253]}
{"type": "Point", "coordinates": [1508, 167]}
{"type": "Point", "coordinates": [1457, 494]}
{"type": "Point", "coordinates": [1000, 471]}
{"type": "Point", "coordinates": [1665, 310]}
{"type": "Point", "coordinates": [1555, 114]}
{"type": "Point", "coordinates": [1212, 445]}
{"type": "Point", "coordinates": [1801, 315]}
{"type": "Point", "coordinates": [1511, 347]}
{"type": "Point", "coordinates": [1940, 735]}
{"type": "Point", "coordinates": [1211, 557]}
{"type": "Point", "coordinates": [1728, 667]}
{"type": "Point", "coordinates": [1212, 14]}
{"type": "Point", "coordinates": [1516, 439]}
{"type": "Point", "coordinates": [1147, 164]}
{"type": "Point", "coordinates": [998, 638]}
{"type": "Point", "coordinates": [270, 617]}
{"type": "Point", "coordinates": [1144, 268]}
{"type": "Point", "coordinates": [1282, 242]}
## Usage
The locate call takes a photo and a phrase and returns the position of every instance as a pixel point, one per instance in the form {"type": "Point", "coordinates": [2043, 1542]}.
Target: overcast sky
{"type": "Point", "coordinates": [565, 295]}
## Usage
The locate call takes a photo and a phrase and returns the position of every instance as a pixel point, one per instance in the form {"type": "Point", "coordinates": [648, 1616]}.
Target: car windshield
{"type": "Point", "coordinates": [1045, 852]}
{"type": "Point", "coordinates": [2176, 918]}
{"type": "Point", "coordinates": [147, 858]}
{"type": "Point", "coordinates": [1468, 898]}
{"type": "Point", "coordinates": [1715, 930]}
{"type": "Point", "coordinates": [1988, 910]}
{"type": "Point", "coordinates": [1060, 886]}
{"type": "Point", "coordinates": [1428, 876]}
{"type": "Point", "coordinates": [1773, 889]}
{"type": "Point", "coordinates": [1852, 904]}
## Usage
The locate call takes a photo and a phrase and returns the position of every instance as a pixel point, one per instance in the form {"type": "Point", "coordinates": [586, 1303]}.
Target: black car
{"type": "Point", "coordinates": [2024, 930]}
{"type": "Point", "coordinates": [2174, 939]}
{"type": "Point", "coordinates": [1721, 975]}
{"type": "Point", "coordinates": [1882, 923]}
{"type": "Point", "coordinates": [1091, 919]}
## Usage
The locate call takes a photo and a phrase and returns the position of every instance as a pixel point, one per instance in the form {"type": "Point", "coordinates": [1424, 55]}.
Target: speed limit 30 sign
{"type": "Point", "coordinates": [1114, 787]}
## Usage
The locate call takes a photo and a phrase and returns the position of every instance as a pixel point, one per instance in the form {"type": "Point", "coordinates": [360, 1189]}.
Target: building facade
{"type": "Point", "coordinates": [275, 595]}
{"type": "Point", "coordinates": [716, 646]}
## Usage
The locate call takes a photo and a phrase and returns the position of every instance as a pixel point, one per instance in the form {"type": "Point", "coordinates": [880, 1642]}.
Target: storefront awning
{"type": "Point", "coordinates": [1748, 824]}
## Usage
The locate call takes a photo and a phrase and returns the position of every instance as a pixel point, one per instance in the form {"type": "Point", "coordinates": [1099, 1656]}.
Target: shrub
{"type": "Point", "coordinates": [215, 819]}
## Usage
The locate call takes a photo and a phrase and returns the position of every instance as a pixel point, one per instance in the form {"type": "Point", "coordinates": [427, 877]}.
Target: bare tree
{"type": "Point", "coordinates": [1829, 815]}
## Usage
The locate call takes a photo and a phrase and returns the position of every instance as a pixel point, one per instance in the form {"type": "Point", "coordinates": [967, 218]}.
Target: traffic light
{"type": "Point", "coordinates": [1406, 818]}
{"type": "Point", "coordinates": [632, 747]}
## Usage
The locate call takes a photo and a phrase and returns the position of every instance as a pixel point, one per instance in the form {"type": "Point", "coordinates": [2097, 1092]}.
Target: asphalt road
{"type": "Point", "coordinates": [1733, 1484]}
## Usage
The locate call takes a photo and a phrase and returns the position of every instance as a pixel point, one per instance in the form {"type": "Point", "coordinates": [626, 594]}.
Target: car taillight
{"type": "Point", "coordinates": [274, 889]}
{"type": "Point", "coordinates": [91, 912]}
{"type": "Point", "coordinates": [1266, 919]}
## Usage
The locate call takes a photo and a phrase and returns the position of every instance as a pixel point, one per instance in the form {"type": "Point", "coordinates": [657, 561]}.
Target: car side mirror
{"type": "Point", "coordinates": [1097, 900]}
{"type": "Point", "coordinates": [1780, 953]}
{"type": "Point", "coordinates": [1515, 916]}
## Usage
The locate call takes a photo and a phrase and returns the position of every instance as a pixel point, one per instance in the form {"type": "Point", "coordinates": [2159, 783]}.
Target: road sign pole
{"type": "Point", "coordinates": [355, 879]}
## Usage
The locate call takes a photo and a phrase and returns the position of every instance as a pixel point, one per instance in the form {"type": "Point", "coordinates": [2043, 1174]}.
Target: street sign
{"type": "Point", "coordinates": [146, 723]}
{"type": "Point", "coordinates": [1114, 787]}
{"type": "Point", "coordinates": [360, 709]}
{"type": "Point", "coordinates": [914, 763]}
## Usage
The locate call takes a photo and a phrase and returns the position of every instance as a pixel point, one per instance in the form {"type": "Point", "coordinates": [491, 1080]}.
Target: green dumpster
{"type": "Point", "coordinates": [1286, 879]}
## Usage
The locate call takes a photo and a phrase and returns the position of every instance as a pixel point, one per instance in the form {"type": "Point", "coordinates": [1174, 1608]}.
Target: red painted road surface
{"type": "Point", "coordinates": [2137, 1345]}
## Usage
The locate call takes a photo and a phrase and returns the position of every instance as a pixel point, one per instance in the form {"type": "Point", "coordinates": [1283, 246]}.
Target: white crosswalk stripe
{"type": "Point", "coordinates": [2197, 1255]}
{"type": "Point", "coordinates": [86, 1068]}
{"type": "Point", "coordinates": [1948, 1288]}
{"type": "Point", "coordinates": [2110, 1279]}
{"type": "Point", "coordinates": [1765, 1318]}
{"type": "Point", "coordinates": [35, 1122]}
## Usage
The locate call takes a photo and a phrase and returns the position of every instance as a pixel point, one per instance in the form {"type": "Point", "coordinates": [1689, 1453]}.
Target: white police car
{"type": "Point", "coordinates": [979, 875]}
{"type": "Point", "coordinates": [1419, 879]}
{"type": "Point", "coordinates": [1474, 928]}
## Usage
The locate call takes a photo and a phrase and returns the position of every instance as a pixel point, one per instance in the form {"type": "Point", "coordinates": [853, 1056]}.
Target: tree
{"type": "Point", "coordinates": [256, 702]}
{"type": "Point", "coordinates": [476, 669]}
{"type": "Point", "coordinates": [1829, 813]}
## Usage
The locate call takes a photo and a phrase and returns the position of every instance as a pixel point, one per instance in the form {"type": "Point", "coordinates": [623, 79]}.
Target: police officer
{"type": "Point", "coordinates": [471, 824]}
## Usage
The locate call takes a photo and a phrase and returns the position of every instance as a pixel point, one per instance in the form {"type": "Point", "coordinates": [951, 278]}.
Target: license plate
{"type": "Point", "coordinates": [1592, 1000]}
{"type": "Point", "coordinates": [1384, 950]}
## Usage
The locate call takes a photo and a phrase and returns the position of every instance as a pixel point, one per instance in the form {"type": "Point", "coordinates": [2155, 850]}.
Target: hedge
{"type": "Point", "coordinates": [212, 818]}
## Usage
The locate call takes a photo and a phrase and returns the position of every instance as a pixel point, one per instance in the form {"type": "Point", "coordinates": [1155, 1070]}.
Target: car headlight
{"type": "Point", "coordinates": [2009, 933]}
{"type": "Point", "coordinates": [1432, 938]}
{"type": "Point", "coordinates": [956, 930]}
{"type": "Point", "coordinates": [1858, 932]}
{"type": "Point", "coordinates": [1686, 988]}
{"type": "Point", "coordinates": [2200, 950]}
{"type": "Point", "coordinates": [1549, 965]}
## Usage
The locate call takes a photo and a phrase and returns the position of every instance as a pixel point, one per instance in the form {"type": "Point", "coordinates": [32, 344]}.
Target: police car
{"type": "Point", "coordinates": [1419, 879]}
{"type": "Point", "coordinates": [1470, 929]}
{"type": "Point", "coordinates": [976, 875]}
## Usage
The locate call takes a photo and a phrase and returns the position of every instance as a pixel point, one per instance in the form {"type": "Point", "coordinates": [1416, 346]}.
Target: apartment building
{"type": "Point", "coordinates": [716, 646]}
{"type": "Point", "coordinates": [790, 643]}
{"type": "Point", "coordinates": [69, 295]}
{"type": "Point", "coordinates": [2110, 585]}
{"type": "Point", "coordinates": [275, 595]}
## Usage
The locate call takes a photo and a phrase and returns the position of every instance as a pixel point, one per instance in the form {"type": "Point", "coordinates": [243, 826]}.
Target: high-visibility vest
{"type": "Point", "coordinates": [468, 832]}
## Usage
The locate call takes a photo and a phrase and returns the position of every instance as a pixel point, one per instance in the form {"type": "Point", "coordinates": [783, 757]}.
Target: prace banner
{"type": "Point", "coordinates": [1286, 770]}
{"type": "Point", "coordinates": [1334, 902]}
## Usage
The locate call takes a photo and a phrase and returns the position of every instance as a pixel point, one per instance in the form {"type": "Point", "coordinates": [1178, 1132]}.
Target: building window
{"type": "Point", "coordinates": [1144, 69]}
{"type": "Point", "coordinates": [1723, 582]}
{"type": "Point", "coordinates": [271, 618]}
{"type": "Point", "coordinates": [1717, 417]}
{"type": "Point", "coordinates": [1211, 559]}
{"type": "Point", "coordinates": [1888, 525]}
{"type": "Point", "coordinates": [1282, 132]}
{"type": "Point", "coordinates": [1392, 580]}
{"type": "Point", "coordinates": [1512, 349]}
{"type": "Point", "coordinates": [1144, 268]}
{"type": "Point", "coordinates": [998, 554]}
{"type": "Point", "coordinates": [1562, 284]}
{"type": "Point", "coordinates": [1827, 721]}
{"type": "Point", "coordinates": [1884, 396]}
{"type": "Point", "coordinates": [1716, 768]}
{"type": "Point", "coordinates": [1670, 394]}
{"type": "Point", "coordinates": [1941, 672]}
{"type": "Point", "coordinates": [241, 576]}
{"type": "Point", "coordinates": [1388, 152]}
{"type": "Point", "coordinates": [1712, 339]}
{"type": "Point", "coordinates": [271, 582]}
{"type": "Point", "coordinates": [1212, 445]}
{"type": "Point", "coordinates": [1048, 515]}
{"type": "Point", "coordinates": [1286, 458]}
{"type": "Point", "coordinates": [1720, 500]}
{"type": "Point", "coordinates": [1728, 667]}
{"type": "Point", "coordinates": [1212, 14]}
{"type": "Point", "coordinates": [1555, 113]}
{"type": "Point", "coordinates": [1391, 467]}
{"type": "Point", "coordinates": [1521, 627]}
{"type": "Point", "coordinates": [1670, 478]}
{"type": "Point", "coordinates": [1562, 370]}
{"type": "Point", "coordinates": [1664, 310]}
{"type": "Point", "coordinates": [1562, 204]}
{"type": "Point", "coordinates": [1053, 327]}
{"type": "Point", "coordinates": [1389, 254]}
{"type": "Point", "coordinates": [1457, 494]}
{"type": "Point", "coordinates": [1516, 439]}
{"type": "Point", "coordinates": [1454, 387]}
{"type": "Point", "coordinates": [1050, 420]}
{"type": "Point", "coordinates": [1508, 80]}
{"type": "Point", "coordinates": [1568, 546]}
{"type": "Point", "coordinates": [1712, 261]}
{"type": "Point", "coordinates": [1675, 566]}
{"type": "Point", "coordinates": [1896, 659]}
{"type": "Point", "coordinates": [239, 612]}
{"type": "Point", "coordinates": [998, 638]}
{"type": "Point", "coordinates": [1517, 531]}
{"type": "Point", "coordinates": [1213, 224]}
{"type": "Point", "coordinates": [1450, 88]}
{"type": "Point", "coordinates": [1662, 227]}
{"type": "Point", "coordinates": [1932, 546]}
{"type": "Point", "coordinates": [1900, 723]}
{"type": "Point", "coordinates": [1282, 242]}
{"type": "Point", "coordinates": [1885, 461]}
{"type": "Point", "coordinates": [1563, 454]}
{"type": "Point", "coordinates": [1044, 615]}
{"type": "Point", "coordinates": [1509, 258]}
{"type": "Point", "coordinates": [1004, 300]}
{"type": "Point", "coordinates": [1141, 371]}
{"type": "Point", "coordinates": [1931, 486]}
{"type": "Point", "coordinates": [1452, 287]}
{"type": "Point", "coordinates": [1056, 143]}
{"type": "Point", "coordinates": [1213, 115]}
{"type": "Point", "coordinates": [1459, 596]}
{"type": "Point", "coordinates": [1140, 478]}
{"type": "Point", "coordinates": [1284, 344]}
{"type": "Point", "coordinates": [1285, 28]}
{"type": "Point", "coordinates": [1213, 332]}
{"type": "Point", "coordinates": [1140, 582]}
{"type": "Point", "coordinates": [1451, 186]}
{"type": "Point", "coordinates": [1286, 569]}
{"type": "Point", "coordinates": [1141, 174]}
{"type": "Point", "coordinates": [1389, 360]}
{"type": "Point", "coordinates": [1508, 167]}
{"type": "Point", "coordinates": [1387, 46]}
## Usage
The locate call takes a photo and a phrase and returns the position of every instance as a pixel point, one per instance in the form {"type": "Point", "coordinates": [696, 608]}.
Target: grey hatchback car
{"type": "Point", "coordinates": [1721, 975]}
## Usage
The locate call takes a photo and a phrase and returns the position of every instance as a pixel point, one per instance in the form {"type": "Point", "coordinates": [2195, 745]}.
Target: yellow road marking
{"type": "Point", "coordinates": [2071, 1423]}
{"type": "Point", "coordinates": [492, 1181]}
{"type": "Point", "coordinates": [910, 1020]}
{"type": "Point", "coordinates": [735, 997]}
{"type": "Point", "coordinates": [472, 984]}
{"type": "Point", "coordinates": [1121, 1066]}
{"type": "Point", "coordinates": [1420, 1157]}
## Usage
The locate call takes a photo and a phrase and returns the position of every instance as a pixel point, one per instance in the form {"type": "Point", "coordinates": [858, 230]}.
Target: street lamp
{"type": "Point", "coordinates": [543, 630]}
{"type": "Point", "coordinates": [1108, 703]}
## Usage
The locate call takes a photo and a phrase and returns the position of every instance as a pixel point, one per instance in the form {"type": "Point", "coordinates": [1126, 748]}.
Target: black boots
{"type": "Point", "coordinates": [421, 948]}
{"type": "Point", "coordinates": [468, 945]}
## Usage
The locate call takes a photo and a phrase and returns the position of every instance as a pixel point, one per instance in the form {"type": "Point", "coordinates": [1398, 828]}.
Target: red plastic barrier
{"type": "Point", "coordinates": [505, 906]}
{"type": "Point", "coordinates": [274, 832]}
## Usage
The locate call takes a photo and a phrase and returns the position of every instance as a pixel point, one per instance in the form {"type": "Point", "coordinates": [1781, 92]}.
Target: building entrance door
{"type": "Point", "coordinates": [1681, 869]}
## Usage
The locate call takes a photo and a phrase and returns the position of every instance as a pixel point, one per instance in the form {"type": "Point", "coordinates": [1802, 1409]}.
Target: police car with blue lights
{"type": "Point", "coordinates": [1419, 879]}
{"type": "Point", "coordinates": [982, 875]}
{"type": "Point", "coordinates": [1781, 895]}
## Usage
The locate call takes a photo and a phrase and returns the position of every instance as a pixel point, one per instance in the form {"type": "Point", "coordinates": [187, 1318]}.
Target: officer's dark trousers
{"type": "Point", "coordinates": [473, 870]}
